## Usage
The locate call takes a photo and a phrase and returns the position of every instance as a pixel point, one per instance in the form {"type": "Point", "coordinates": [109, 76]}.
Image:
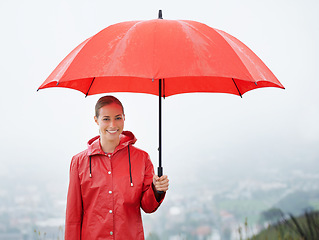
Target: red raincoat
{"type": "Point", "coordinates": [107, 205]}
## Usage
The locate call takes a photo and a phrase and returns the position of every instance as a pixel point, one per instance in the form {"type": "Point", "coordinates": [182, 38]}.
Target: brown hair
{"type": "Point", "coordinates": [106, 100]}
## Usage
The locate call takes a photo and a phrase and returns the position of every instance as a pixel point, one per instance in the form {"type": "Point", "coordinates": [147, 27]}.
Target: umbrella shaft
{"type": "Point", "coordinates": [160, 169]}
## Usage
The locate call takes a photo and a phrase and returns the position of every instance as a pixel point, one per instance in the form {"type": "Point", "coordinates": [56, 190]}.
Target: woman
{"type": "Point", "coordinates": [110, 181]}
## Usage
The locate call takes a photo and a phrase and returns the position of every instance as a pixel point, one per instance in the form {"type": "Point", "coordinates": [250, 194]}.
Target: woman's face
{"type": "Point", "coordinates": [110, 121]}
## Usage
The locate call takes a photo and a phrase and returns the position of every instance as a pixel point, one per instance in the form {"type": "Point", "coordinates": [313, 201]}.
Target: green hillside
{"type": "Point", "coordinates": [305, 227]}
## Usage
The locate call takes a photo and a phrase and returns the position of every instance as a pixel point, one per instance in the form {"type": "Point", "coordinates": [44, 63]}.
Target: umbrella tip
{"type": "Point", "coordinates": [160, 14]}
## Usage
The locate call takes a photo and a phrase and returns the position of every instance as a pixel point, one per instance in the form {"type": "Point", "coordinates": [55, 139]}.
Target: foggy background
{"type": "Point", "coordinates": [208, 139]}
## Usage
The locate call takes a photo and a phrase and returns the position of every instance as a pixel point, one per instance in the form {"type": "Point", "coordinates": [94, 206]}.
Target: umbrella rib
{"type": "Point", "coordinates": [237, 88]}
{"type": "Point", "coordinates": [89, 87]}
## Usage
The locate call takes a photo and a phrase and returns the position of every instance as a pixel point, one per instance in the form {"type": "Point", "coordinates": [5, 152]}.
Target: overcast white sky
{"type": "Point", "coordinates": [269, 127]}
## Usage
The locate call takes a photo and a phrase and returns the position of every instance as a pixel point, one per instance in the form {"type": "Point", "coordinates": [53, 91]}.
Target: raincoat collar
{"type": "Point", "coordinates": [94, 145]}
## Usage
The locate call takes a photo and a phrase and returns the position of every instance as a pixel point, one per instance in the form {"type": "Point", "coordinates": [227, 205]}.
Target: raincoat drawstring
{"type": "Point", "coordinates": [129, 160]}
{"type": "Point", "coordinates": [90, 168]}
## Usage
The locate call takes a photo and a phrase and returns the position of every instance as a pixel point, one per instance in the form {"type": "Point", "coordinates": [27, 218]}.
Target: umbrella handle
{"type": "Point", "coordinates": [160, 173]}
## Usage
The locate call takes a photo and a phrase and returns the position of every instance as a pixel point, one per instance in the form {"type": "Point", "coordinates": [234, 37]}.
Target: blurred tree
{"type": "Point", "coordinates": [271, 216]}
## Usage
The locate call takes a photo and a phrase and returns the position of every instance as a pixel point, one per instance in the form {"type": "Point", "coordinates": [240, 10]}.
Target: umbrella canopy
{"type": "Point", "coordinates": [190, 56]}
{"type": "Point", "coordinates": [161, 57]}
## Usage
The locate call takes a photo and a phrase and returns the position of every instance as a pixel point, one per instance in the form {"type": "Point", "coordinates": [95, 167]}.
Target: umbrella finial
{"type": "Point", "coordinates": [160, 14]}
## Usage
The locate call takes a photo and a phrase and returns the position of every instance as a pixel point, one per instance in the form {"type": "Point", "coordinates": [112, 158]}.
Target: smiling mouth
{"type": "Point", "coordinates": [112, 131]}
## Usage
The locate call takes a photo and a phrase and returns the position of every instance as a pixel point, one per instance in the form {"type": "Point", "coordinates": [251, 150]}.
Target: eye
{"type": "Point", "coordinates": [106, 119]}
{"type": "Point", "coordinates": [118, 118]}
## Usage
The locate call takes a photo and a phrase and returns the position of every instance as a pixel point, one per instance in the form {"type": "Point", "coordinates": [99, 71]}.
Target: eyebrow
{"type": "Point", "coordinates": [115, 115]}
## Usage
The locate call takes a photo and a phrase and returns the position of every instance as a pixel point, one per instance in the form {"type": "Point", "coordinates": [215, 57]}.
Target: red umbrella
{"type": "Point", "coordinates": [161, 57]}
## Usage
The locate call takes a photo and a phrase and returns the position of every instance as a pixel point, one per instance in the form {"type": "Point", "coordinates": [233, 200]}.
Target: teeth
{"type": "Point", "coordinates": [112, 131]}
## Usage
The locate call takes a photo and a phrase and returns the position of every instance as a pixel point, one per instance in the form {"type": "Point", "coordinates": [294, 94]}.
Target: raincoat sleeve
{"type": "Point", "coordinates": [149, 203]}
{"type": "Point", "coordinates": [74, 208]}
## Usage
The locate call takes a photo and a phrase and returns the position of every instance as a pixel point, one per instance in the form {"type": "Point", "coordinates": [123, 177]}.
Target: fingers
{"type": "Point", "coordinates": [161, 183]}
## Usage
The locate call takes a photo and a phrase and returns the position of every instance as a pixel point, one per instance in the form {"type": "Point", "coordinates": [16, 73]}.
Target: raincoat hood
{"type": "Point", "coordinates": [126, 138]}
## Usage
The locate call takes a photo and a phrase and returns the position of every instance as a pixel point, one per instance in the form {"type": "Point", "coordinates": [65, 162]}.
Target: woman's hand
{"type": "Point", "coordinates": [161, 183]}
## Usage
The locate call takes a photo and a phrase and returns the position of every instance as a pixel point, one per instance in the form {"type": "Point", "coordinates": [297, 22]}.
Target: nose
{"type": "Point", "coordinates": [112, 123]}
